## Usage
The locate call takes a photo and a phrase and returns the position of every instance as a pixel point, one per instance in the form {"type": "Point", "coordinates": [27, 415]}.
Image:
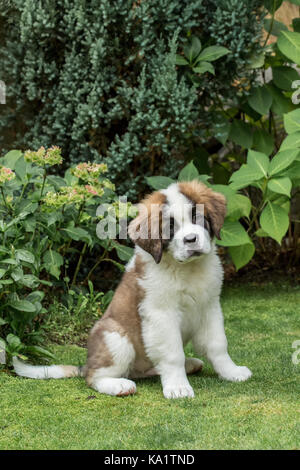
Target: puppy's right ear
{"type": "Point", "coordinates": [145, 231]}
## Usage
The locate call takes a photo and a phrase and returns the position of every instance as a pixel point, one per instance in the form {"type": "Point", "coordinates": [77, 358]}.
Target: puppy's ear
{"type": "Point", "coordinates": [145, 230]}
{"type": "Point", "coordinates": [216, 212]}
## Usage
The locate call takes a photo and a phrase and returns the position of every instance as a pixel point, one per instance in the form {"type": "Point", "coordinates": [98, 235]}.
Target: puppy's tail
{"type": "Point", "coordinates": [46, 372]}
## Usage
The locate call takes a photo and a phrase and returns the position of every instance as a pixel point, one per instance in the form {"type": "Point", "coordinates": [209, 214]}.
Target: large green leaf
{"type": "Point", "coordinates": [289, 44]}
{"type": "Point", "coordinates": [159, 182]}
{"type": "Point", "coordinates": [258, 161]}
{"type": "Point", "coordinates": [241, 255]}
{"type": "Point", "coordinates": [188, 173]}
{"type": "Point", "coordinates": [238, 206]}
{"type": "Point", "coordinates": [280, 185]}
{"type": "Point", "coordinates": [192, 49]}
{"type": "Point", "coordinates": [77, 233]}
{"type": "Point", "coordinates": [25, 255]}
{"type": "Point", "coordinates": [272, 5]}
{"type": "Point", "coordinates": [23, 306]}
{"type": "Point", "coordinates": [275, 221]}
{"type": "Point", "coordinates": [282, 160]}
{"type": "Point", "coordinates": [292, 121]}
{"type": "Point", "coordinates": [233, 234]}
{"type": "Point", "coordinates": [245, 176]}
{"type": "Point", "coordinates": [263, 142]}
{"type": "Point", "coordinates": [10, 159]}
{"type": "Point", "coordinates": [284, 76]}
{"type": "Point", "coordinates": [241, 133]}
{"type": "Point", "coordinates": [292, 141]}
{"type": "Point", "coordinates": [281, 104]}
{"type": "Point", "coordinates": [203, 67]}
{"type": "Point", "coordinates": [275, 28]}
{"type": "Point", "coordinates": [124, 252]}
{"type": "Point", "coordinates": [260, 99]}
{"type": "Point", "coordinates": [53, 261]}
{"type": "Point", "coordinates": [212, 53]}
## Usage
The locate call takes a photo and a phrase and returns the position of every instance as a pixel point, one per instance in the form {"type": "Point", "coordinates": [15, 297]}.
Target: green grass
{"type": "Point", "coordinates": [261, 323]}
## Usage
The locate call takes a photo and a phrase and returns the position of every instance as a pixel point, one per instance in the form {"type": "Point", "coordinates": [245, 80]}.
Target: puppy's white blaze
{"type": "Point", "coordinates": [44, 372]}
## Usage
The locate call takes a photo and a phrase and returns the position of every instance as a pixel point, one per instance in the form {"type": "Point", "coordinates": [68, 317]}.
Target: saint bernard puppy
{"type": "Point", "coordinates": [169, 295]}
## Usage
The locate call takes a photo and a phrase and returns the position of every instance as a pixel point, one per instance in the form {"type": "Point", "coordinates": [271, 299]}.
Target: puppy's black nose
{"type": "Point", "coordinates": [190, 238]}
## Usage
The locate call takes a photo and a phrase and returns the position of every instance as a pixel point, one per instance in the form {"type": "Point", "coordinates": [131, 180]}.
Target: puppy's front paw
{"type": "Point", "coordinates": [236, 374]}
{"type": "Point", "coordinates": [178, 391]}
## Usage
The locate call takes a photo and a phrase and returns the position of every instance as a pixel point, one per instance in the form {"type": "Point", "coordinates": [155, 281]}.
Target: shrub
{"type": "Point", "coordinates": [48, 225]}
{"type": "Point", "coordinates": [258, 131]}
{"type": "Point", "coordinates": [98, 77]}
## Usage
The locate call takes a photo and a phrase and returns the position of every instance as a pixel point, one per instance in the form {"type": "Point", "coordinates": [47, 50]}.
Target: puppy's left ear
{"type": "Point", "coordinates": [216, 212]}
{"type": "Point", "coordinates": [145, 231]}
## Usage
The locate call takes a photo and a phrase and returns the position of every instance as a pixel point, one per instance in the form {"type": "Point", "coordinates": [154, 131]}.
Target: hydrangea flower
{"type": "Point", "coordinates": [89, 171]}
{"type": "Point", "coordinates": [43, 157]}
{"type": "Point", "coordinates": [6, 174]}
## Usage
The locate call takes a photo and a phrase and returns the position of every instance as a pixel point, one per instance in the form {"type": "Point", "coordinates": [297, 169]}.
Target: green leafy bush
{"type": "Point", "coordinates": [48, 226]}
{"type": "Point", "coordinates": [98, 78]}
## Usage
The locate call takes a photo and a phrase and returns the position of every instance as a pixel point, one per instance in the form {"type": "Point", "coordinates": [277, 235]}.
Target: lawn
{"type": "Point", "coordinates": [261, 323]}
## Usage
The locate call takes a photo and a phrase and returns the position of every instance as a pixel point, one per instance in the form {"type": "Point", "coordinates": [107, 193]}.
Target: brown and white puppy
{"type": "Point", "coordinates": [168, 296]}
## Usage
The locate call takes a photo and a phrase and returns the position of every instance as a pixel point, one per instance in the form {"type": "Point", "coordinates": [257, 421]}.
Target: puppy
{"type": "Point", "coordinates": [169, 295]}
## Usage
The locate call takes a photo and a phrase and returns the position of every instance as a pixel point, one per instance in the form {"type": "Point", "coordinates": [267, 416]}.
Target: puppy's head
{"type": "Point", "coordinates": [182, 220]}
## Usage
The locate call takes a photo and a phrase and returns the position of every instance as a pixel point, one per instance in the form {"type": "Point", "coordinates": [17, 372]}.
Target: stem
{"type": "Point", "coordinates": [79, 263]}
{"type": "Point", "coordinates": [44, 181]}
{"type": "Point", "coordinates": [5, 202]}
{"type": "Point", "coordinates": [272, 22]}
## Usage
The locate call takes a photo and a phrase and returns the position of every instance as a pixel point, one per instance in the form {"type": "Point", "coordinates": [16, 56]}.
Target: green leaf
{"type": "Point", "coordinates": [10, 159]}
{"type": "Point", "coordinates": [259, 162]}
{"type": "Point", "coordinates": [26, 207]}
{"type": "Point", "coordinates": [13, 341]}
{"type": "Point", "coordinates": [241, 255]}
{"type": "Point", "coordinates": [204, 67]}
{"type": "Point", "coordinates": [284, 76]}
{"type": "Point", "coordinates": [292, 121]}
{"type": "Point", "coordinates": [260, 99]}
{"type": "Point", "coordinates": [221, 127]}
{"type": "Point", "coordinates": [192, 49]}
{"type": "Point", "coordinates": [124, 252]}
{"type": "Point", "coordinates": [188, 173]}
{"type": "Point", "coordinates": [180, 60]}
{"type": "Point", "coordinates": [289, 44]}
{"type": "Point", "coordinates": [280, 185]}
{"type": "Point", "coordinates": [37, 350]}
{"type": "Point", "coordinates": [212, 53]}
{"type": "Point", "coordinates": [22, 306]}
{"type": "Point", "coordinates": [241, 133]}
{"type": "Point", "coordinates": [282, 160]}
{"type": "Point", "coordinates": [263, 142]}
{"type": "Point", "coordinates": [233, 234]}
{"type": "Point", "coordinates": [245, 176]}
{"type": "Point", "coordinates": [238, 206]}
{"type": "Point", "coordinates": [77, 233]}
{"type": "Point", "coordinates": [53, 257]}
{"type": "Point", "coordinates": [292, 141]}
{"type": "Point", "coordinates": [274, 221]}
{"type": "Point", "coordinates": [25, 255]}
{"type": "Point", "coordinates": [272, 5]}
{"type": "Point", "coordinates": [295, 2]}
{"type": "Point", "coordinates": [281, 104]}
{"type": "Point", "coordinates": [277, 26]}
{"type": "Point", "coordinates": [159, 182]}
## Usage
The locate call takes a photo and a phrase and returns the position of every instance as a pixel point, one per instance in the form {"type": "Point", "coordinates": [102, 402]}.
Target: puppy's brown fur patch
{"type": "Point", "coordinates": [122, 317]}
{"type": "Point", "coordinates": [146, 229]}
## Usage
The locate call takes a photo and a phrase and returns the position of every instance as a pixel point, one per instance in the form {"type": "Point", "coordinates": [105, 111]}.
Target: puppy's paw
{"type": "Point", "coordinates": [236, 374]}
{"type": "Point", "coordinates": [178, 391]}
